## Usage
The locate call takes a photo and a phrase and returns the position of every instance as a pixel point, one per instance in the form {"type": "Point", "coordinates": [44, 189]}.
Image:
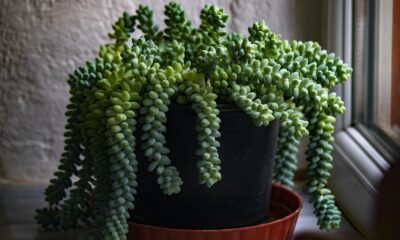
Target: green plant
{"type": "Point", "coordinates": [267, 77]}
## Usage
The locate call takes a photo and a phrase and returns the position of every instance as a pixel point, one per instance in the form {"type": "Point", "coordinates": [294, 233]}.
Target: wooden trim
{"type": "Point", "coordinates": [395, 118]}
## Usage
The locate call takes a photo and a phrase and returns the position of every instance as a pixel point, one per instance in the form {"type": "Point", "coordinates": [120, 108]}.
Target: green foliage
{"type": "Point", "coordinates": [309, 60]}
{"type": "Point", "coordinates": [144, 15]}
{"type": "Point", "coordinates": [213, 22]}
{"type": "Point", "coordinates": [178, 26]}
{"type": "Point", "coordinates": [204, 104]}
{"type": "Point", "coordinates": [320, 158]}
{"type": "Point", "coordinates": [156, 100]}
{"type": "Point", "coordinates": [268, 43]}
{"type": "Point", "coordinates": [130, 86]}
{"type": "Point", "coordinates": [286, 159]}
{"type": "Point", "coordinates": [123, 28]}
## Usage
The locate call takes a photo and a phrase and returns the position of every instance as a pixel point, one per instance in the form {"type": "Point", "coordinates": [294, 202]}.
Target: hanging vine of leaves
{"type": "Point", "coordinates": [131, 85]}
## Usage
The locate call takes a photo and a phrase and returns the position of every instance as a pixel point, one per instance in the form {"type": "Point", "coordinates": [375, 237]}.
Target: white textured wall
{"type": "Point", "coordinates": [41, 41]}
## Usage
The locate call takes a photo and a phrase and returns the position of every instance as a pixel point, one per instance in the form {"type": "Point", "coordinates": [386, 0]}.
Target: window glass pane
{"type": "Point", "coordinates": [376, 79]}
{"type": "Point", "coordinates": [386, 81]}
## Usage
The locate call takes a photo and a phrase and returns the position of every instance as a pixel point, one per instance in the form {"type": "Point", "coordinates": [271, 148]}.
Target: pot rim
{"type": "Point", "coordinates": [257, 226]}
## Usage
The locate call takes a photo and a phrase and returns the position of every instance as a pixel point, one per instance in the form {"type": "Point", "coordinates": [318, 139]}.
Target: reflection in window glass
{"type": "Point", "coordinates": [387, 81]}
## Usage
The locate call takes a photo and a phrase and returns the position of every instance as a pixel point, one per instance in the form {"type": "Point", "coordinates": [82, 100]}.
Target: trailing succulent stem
{"type": "Point", "coordinates": [203, 102]}
{"type": "Point", "coordinates": [131, 86]}
{"type": "Point", "coordinates": [155, 105]}
{"type": "Point", "coordinates": [320, 158]}
{"type": "Point", "coordinates": [123, 28]}
{"type": "Point", "coordinates": [286, 159]}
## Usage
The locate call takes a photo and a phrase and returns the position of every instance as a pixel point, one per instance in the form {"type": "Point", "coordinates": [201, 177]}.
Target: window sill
{"type": "Point", "coordinates": [356, 177]}
{"type": "Point", "coordinates": [18, 204]}
{"type": "Point", "coordinates": [307, 229]}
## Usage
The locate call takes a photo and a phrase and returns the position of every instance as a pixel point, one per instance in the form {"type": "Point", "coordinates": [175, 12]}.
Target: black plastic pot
{"type": "Point", "coordinates": [239, 199]}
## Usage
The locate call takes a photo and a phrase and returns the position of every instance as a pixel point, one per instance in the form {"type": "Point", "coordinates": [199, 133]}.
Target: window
{"type": "Point", "coordinates": [386, 115]}
{"type": "Point", "coordinates": [377, 73]}
{"type": "Point", "coordinates": [365, 33]}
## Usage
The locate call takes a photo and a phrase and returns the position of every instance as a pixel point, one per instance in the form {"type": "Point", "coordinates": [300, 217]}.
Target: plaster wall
{"type": "Point", "coordinates": [41, 41]}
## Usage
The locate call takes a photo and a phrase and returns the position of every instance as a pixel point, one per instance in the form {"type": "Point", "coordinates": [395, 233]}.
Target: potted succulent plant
{"type": "Point", "coordinates": [193, 100]}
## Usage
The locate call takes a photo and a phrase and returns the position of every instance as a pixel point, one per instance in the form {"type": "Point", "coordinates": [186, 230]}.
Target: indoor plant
{"type": "Point", "coordinates": [270, 79]}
